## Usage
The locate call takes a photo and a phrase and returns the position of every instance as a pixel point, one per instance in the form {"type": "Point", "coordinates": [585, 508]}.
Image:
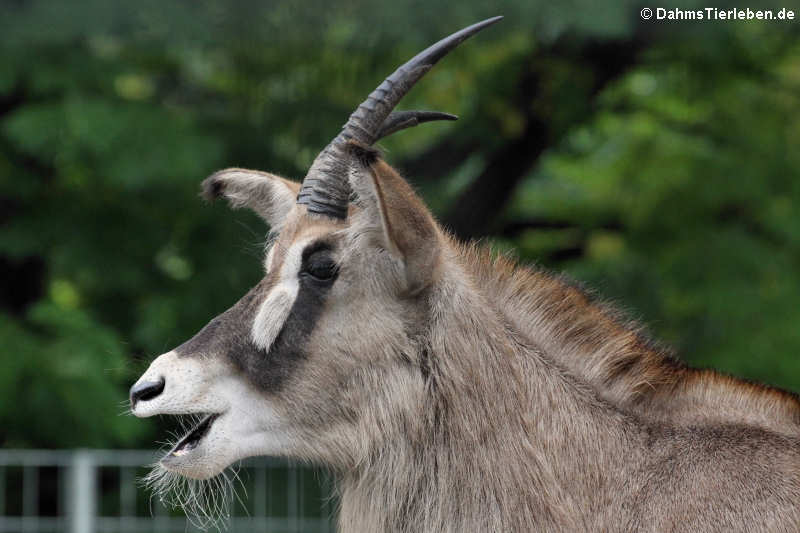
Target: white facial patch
{"type": "Point", "coordinates": [272, 314]}
{"type": "Point", "coordinates": [249, 426]}
{"type": "Point", "coordinates": [276, 308]}
{"type": "Point", "coordinates": [243, 422]}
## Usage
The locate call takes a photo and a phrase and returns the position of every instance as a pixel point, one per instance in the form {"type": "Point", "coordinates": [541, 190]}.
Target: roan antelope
{"type": "Point", "coordinates": [449, 391]}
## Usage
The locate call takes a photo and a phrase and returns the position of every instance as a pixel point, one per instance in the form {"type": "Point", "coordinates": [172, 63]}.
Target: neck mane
{"type": "Point", "coordinates": [503, 439]}
{"type": "Point", "coordinates": [614, 355]}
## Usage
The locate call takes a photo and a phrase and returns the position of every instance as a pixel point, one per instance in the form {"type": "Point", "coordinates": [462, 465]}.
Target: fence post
{"type": "Point", "coordinates": [82, 493]}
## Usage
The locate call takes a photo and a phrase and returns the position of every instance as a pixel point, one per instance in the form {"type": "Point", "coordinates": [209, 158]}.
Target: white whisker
{"type": "Point", "coordinates": [206, 503]}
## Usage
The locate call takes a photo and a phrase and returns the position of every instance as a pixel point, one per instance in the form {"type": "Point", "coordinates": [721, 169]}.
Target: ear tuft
{"type": "Point", "coordinates": [365, 155]}
{"type": "Point", "coordinates": [212, 187]}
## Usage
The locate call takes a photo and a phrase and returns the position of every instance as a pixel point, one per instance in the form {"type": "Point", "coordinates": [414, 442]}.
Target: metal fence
{"type": "Point", "coordinates": [97, 491]}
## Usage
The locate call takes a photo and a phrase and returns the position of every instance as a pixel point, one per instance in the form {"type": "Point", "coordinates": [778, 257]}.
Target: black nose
{"type": "Point", "coordinates": [146, 390]}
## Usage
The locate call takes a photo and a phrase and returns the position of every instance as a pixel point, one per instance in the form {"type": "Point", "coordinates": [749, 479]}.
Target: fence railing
{"type": "Point", "coordinates": [97, 491]}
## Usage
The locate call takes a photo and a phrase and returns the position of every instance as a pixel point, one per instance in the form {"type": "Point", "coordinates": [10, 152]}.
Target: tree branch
{"type": "Point", "coordinates": [547, 114]}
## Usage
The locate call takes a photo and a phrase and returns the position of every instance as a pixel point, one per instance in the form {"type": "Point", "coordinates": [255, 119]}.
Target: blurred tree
{"type": "Point", "coordinates": [656, 161]}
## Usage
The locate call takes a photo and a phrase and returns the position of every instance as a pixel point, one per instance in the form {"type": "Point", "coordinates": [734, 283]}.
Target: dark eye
{"type": "Point", "coordinates": [320, 266]}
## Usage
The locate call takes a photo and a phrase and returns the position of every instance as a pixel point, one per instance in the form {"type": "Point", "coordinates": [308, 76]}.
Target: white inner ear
{"type": "Point", "coordinates": [276, 308]}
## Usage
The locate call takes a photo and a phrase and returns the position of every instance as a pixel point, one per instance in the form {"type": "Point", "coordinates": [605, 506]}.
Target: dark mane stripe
{"type": "Point", "coordinates": [615, 355]}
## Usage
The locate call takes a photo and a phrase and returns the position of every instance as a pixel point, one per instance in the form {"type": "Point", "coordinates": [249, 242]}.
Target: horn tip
{"type": "Point", "coordinates": [429, 116]}
{"type": "Point", "coordinates": [487, 22]}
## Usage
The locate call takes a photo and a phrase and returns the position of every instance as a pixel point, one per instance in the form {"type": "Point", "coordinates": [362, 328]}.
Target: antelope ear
{"type": "Point", "coordinates": [270, 196]}
{"type": "Point", "coordinates": [396, 216]}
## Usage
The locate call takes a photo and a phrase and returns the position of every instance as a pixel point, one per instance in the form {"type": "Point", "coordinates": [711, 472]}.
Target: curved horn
{"type": "Point", "coordinates": [400, 120]}
{"type": "Point", "coordinates": [366, 120]}
{"type": "Point", "coordinates": [325, 188]}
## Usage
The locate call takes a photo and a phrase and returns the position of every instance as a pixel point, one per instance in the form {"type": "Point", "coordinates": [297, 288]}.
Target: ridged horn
{"type": "Point", "coordinates": [325, 189]}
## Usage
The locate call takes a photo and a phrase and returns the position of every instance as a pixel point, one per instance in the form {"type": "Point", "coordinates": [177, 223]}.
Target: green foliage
{"type": "Point", "coordinates": [61, 379]}
{"type": "Point", "coordinates": [674, 186]}
{"type": "Point", "coordinates": [693, 157]}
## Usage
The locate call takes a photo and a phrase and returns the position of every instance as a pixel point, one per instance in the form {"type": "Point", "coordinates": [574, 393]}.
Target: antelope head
{"type": "Point", "coordinates": [309, 362]}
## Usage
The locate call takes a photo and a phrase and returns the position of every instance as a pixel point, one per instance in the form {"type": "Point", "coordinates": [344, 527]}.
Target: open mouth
{"type": "Point", "coordinates": [194, 437]}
